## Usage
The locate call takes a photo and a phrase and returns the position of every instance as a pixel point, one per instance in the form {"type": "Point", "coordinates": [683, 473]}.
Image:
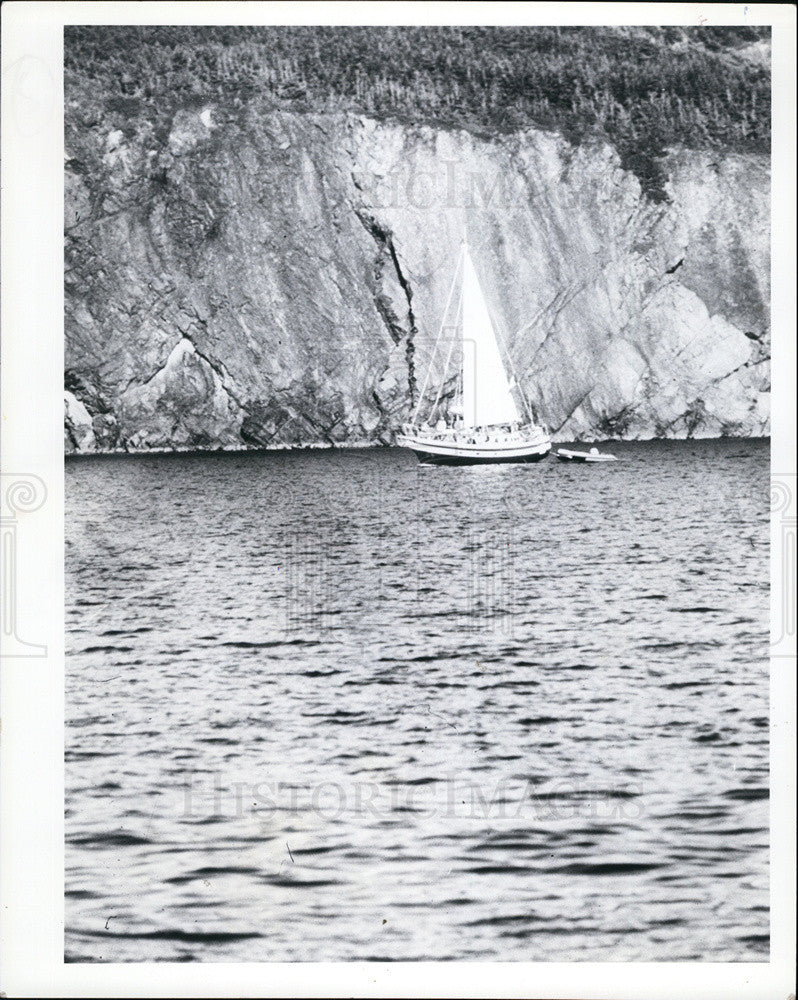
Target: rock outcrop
{"type": "Point", "coordinates": [260, 278]}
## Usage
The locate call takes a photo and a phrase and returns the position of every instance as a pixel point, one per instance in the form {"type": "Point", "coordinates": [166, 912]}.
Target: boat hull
{"type": "Point", "coordinates": [429, 459]}
{"type": "Point", "coordinates": [460, 453]}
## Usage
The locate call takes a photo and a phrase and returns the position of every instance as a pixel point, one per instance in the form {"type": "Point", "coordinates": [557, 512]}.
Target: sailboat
{"type": "Point", "coordinates": [482, 425]}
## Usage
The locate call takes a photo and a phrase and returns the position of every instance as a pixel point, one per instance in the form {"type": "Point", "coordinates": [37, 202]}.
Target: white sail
{"type": "Point", "coordinates": [487, 398]}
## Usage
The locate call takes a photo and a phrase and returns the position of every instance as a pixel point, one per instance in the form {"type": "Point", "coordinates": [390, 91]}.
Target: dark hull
{"type": "Point", "coordinates": [427, 459]}
{"type": "Point", "coordinates": [587, 459]}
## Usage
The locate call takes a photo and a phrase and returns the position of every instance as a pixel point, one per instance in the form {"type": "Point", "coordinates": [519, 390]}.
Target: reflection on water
{"type": "Point", "coordinates": [337, 706]}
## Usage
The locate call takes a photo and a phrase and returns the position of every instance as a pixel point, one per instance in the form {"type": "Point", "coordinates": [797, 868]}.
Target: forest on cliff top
{"type": "Point", "coordinates": [644, 89]}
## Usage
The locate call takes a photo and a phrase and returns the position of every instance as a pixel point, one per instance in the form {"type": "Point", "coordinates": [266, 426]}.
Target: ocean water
{"type": "Point", "coordinates": [334, 705]}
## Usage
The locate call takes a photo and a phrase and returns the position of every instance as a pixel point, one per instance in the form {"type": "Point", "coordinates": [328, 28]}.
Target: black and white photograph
{"type": "Point", "coordinates": [418, 493]}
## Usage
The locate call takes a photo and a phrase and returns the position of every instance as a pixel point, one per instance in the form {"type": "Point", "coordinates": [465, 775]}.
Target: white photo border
{"type": "Point", "coordinates": [31, 435]}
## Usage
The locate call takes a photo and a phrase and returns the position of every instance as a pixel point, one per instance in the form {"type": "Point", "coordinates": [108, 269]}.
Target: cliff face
{"type": "Point", "coordinates": [262, 278]}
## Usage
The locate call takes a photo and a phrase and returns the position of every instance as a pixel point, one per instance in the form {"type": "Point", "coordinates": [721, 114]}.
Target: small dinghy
{"type": "Point", "coordinates": [594, 455]}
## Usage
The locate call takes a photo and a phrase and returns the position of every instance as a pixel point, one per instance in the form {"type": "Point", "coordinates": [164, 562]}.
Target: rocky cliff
{"type": "Point", "coordinates": [253, 277]}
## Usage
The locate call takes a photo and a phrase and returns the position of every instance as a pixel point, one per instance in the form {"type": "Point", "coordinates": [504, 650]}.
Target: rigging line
{"type": "Point", "coordinates": [437, 339]}
{"type": "Point", "coordinates": [457, 321]}
{"type": "Point", "coordinates": [520, 388]}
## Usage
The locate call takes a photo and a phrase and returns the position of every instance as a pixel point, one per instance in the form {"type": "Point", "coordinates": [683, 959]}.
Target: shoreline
{"type": "Point", "coordinates": [364, 445]}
